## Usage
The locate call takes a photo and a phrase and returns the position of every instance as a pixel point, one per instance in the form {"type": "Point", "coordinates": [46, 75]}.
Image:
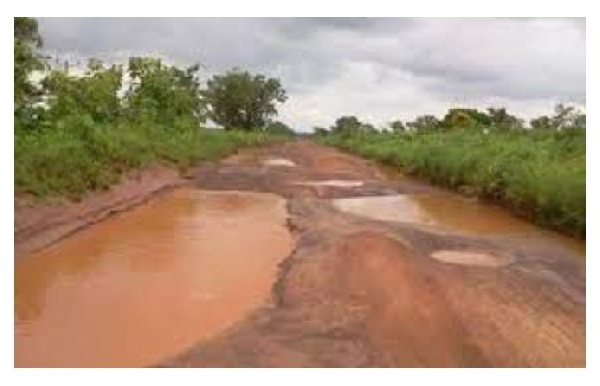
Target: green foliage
{"type": "Point", "coordinates": [538, 174]}
{"type": "Point", "coordinates": [462, 117]}
{"type": "Point", "coordinates": [346, 125]}
{"type": "Point", "coordinates": [242, 100]}
{"type": "Point", "coordinates": [320, 130]}
{"type": "Point", "coordinates": [397, 126]}
{"type": "Point", "coordinates": [77, 133]}
{"type": "Point", "coordinates": [494, 118]}
{"type": "Point", "coordinates": [541, 123]}
{"type": "Point", "coordinates": [350, 125]}
{"type": "Point", "coordinates": [88, 135]}
{"type": "Point", "coordinates": [81, 156]}
{"type": "Point", "coordinates": [564, 118]}
{"type": "Point", "coordinates": [500, 119]}
{"type": "Point", "coordinates": [27, 39]}
{"type": "Point", "coordinates": [367, 128]}
{"type": "Point", "coordinates": [26, 60]}
{"type": "Point", "coordinates": [161, 93]}
{"type": "Point", "coordinates": [424, 123]}
{"type": "Point", "coordinates": [279, 128]}
{"type": "Point", "coordinates": [93, 95]}
{"type": "Point", "coordinates": [579, 121]}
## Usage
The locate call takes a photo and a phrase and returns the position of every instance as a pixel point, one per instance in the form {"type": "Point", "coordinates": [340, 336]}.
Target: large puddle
{"type": "Point", "coordinates": [452, 213]}
{"type": "Point", "coordinates": [149, 283]}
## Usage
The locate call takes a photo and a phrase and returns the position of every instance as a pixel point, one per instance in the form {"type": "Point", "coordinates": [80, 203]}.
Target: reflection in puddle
{"type": "Point", "coordinates": [279, 162]}
{"type": "Point", "coordinates": [385, 208]}
{"type": "Point", "coordinates": [481, 259]}
{"type": "Point", "coordinates": [147, 284]}
{"type": "Point", "coordinates": [450, 212]}
{"type": "Point", "coordinates": [332, 183]}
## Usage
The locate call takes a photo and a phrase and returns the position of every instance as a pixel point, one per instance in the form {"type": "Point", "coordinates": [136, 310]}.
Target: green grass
{"type": "Point", "coordinates": [539, 174]}
{"type": "Point", "coordinates": [70, 161]}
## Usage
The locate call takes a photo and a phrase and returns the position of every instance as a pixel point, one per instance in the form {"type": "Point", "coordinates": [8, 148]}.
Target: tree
{"type": "Point", "coordinates": [239, 100]}
{"type": "Point", "coordinates": [367, 128]}
{"type": "Point", "coordinates": [500, 118]}
{"type": "Point", "coordinates": [541, 123]}
{"type": "Point", "coordinates": [347, 124]}
{"type": "Point", "coordinates": [26, 60]}
{"type": "Point", "coordinates": [397, 126]}
{"type": "Point", "coordinates": [94, 94]}
{"type": "Point", "coordinates": [424, 123]}
{"type": "Point", "coordinates": [163, 93]}
{"type": "Point", "coordinates": [462, 117]}
{"type": "Point", "coordinates": [279, 128]}
{"type": "Point", "coordinates": [320, 130]}
{"type": "Point", "coordinates": [565, 117]}
{"type": "Point", "coordinates": [579, 122]}
{"type": "Point", "coordinates": [26, 57]}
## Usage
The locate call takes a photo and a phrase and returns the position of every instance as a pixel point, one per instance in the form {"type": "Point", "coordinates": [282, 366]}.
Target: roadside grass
{"type": "Point", "coordinates": [70, 161]}
{"type": "Point", "coordinates": [537, 174]}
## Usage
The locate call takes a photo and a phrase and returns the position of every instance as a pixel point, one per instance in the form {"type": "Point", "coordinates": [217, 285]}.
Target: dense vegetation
{"type": "Point", "coordinates": [75, 133]}
{"type": "Point", "coordinates": [537, 172]}
{"type": "Point", "coordinates": [71, 162]}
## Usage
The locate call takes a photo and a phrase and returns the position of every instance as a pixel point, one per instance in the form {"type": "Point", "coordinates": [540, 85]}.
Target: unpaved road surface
{"type": "Point", "coordinates": [361, 292]}
{"type": "Point", "coordinates": [375, 283]}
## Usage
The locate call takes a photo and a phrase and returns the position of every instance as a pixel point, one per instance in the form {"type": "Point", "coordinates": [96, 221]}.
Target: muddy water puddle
{"type": "Point", "coordinates": [452, 213]}
{"type": "Point", "coordinates": [461, 257]}
{"type": "Point", "coordinates": [279, 162]}
{"type": "Point", "coordinates": [331, 183]}
{"type": "Point", "coordinates": [147, 284]}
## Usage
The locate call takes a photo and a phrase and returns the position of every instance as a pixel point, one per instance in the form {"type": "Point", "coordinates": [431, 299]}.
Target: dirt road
{"type": "Point", "coordinates": [369, 284]}
{"type": "Point", "coordinates": [359, 292]}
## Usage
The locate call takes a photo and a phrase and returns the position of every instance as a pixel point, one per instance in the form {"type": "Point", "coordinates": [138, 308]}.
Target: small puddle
{"type": "Point", "coordinates": [450, 212]}
{"type": "Point", "coordinates": [481, 259]}
{"type": "Point", "coordinates": [149, 283]}
{"type": "Point", "coordinates": [332, 183]}
{"type": "Point", "coordinates": [279, 162]}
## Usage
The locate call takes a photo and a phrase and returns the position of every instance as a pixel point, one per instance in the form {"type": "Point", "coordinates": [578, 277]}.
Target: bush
{"type": "Point", "coordinates": [78, 156]}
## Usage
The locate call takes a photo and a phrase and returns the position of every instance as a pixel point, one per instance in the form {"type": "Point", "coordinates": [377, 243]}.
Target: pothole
{"type": "Point", "coordinates": [332, 183]}
{"type": "Point", "coordinates": [472, 258]}
{"type": "Point", "coordinates": [146, 284]}
{"type": "Point", "coordinates": [444, 211]}
{"type": "Point", "coordinates": [384, 208]}
{"type": "Point", "coordinates": [279, 162]}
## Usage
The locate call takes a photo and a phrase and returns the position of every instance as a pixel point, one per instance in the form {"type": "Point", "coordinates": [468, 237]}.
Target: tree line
{"type": "Point", "coordinates": [142, 91]}
{"type": "Point", "coordinates": [564, 118]}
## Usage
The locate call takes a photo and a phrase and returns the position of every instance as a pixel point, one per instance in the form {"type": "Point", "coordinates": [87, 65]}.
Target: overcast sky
{"type": "Point", "coordinates": [376, 69]}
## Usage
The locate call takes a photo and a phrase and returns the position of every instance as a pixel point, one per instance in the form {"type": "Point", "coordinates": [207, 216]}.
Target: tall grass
{"type": "Point", "coordinates": [70, 161]}
{"type": "Point", "coordinates": [538, 174]}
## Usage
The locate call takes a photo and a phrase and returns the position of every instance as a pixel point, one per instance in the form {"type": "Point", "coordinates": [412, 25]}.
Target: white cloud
{"type": "Point", "coordinates": [377, 69]}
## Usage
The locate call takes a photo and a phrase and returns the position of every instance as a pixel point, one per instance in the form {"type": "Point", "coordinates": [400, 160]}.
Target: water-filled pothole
{"type": "Point", "coordinates": [279, 162]}
{"type": "Point", "coordinates": [472, 258]}
{"type": "Point", "coordinates": [441, 210]}
{"type": "Point", "coordinates": [149, 283]}
{"type": "Point", "coordinates": [331, 183]}
{"type": "Point", "coordinates": [445, 212]}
